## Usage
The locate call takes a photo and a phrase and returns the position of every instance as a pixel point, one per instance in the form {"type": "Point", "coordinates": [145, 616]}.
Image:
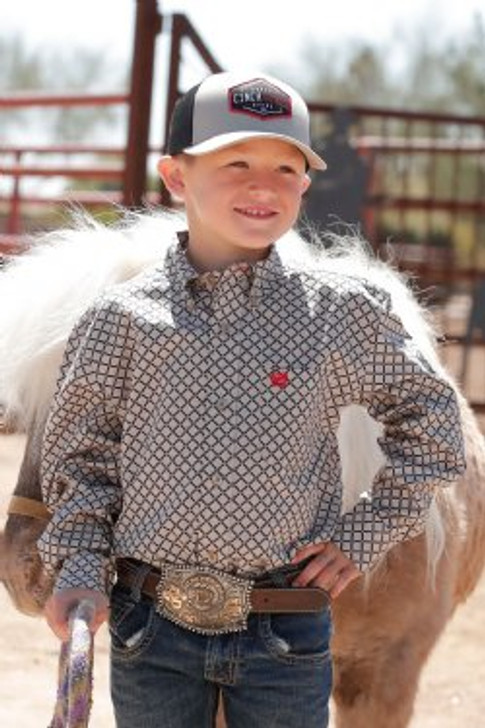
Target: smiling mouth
{"type": "Point", "coordinates": [256, 213]}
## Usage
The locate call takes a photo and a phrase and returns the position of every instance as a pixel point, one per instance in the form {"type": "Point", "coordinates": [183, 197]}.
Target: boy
{"type": "Point", "coordinates": [190, 458]}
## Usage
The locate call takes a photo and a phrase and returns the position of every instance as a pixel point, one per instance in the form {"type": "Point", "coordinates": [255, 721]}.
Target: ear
{"type": "Point", "coordinates": [305, 184]}
{"type": "Point", "coordinates": [171, 172]}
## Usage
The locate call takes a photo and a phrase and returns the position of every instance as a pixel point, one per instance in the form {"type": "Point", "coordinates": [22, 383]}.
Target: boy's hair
{"type": "Point", "coordinates": [228, 108]}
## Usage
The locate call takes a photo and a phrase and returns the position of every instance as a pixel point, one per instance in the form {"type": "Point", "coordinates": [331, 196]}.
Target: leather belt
{"type": "Point", "coordinates": [212, 602]}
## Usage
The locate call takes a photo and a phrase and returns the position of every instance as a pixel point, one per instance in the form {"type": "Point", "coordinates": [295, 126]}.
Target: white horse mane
{"type": "Point", "coordinates": [44, 291]}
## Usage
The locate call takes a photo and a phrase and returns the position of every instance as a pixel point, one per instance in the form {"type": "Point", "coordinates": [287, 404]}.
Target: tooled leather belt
{"type": "Point", "coordinates": [209, 601]}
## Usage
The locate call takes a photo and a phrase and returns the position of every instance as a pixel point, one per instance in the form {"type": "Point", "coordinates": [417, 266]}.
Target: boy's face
{"type": "Point", "coordinates": [241, 199]}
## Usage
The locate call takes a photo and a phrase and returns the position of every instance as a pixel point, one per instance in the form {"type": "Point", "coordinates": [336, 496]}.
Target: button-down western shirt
{"type": "Point", "coordinates": [196, 415]}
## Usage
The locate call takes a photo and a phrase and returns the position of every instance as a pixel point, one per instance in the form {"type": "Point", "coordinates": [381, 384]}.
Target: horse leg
{"type": "Point", "coordinates": [22, 572]}
{"type": "Point", "coordinates": [378, 689]}
{"type": "Point", "coordinates": [384, 633]}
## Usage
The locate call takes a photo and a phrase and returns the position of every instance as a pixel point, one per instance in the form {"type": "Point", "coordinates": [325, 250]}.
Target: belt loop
{"type": "Point", "coordinates": [139, 577]}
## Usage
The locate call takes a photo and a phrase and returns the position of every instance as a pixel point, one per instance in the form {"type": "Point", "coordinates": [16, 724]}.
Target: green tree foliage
{"type": "Point", "coordinates": [466, 69]}
{"type": "Point", "coordinates": [21, 68]}
{"type": "Point", "coordinates": [449, 76]}
{"type": "Point", "coordinates": [412, 70]}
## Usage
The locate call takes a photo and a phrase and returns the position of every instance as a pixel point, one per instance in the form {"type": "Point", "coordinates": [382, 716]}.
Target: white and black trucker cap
{"type": "Point", "coordinates": [227, 108]}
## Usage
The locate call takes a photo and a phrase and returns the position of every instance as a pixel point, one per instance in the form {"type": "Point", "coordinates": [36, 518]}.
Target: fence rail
{"type": "Point", "coordinates": [17, 100]}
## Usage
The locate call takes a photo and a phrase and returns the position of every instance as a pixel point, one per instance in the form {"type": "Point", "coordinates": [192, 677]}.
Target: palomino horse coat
{"type": "Point", "coordinates": [387, 623]}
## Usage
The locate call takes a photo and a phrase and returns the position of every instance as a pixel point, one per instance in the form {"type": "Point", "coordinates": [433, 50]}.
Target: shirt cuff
{"type": "Point", "coordinates": [85, 570]}
{"type": "Point", "coordinates": [362, 537]}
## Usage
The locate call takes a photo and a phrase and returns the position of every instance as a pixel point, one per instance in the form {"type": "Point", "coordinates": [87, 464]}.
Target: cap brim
{"type": "Point", "coordinates": [226, 140]}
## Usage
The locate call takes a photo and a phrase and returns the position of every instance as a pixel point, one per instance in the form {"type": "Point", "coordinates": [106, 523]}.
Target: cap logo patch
{"type": "Point", "coordinates": [259, 98]}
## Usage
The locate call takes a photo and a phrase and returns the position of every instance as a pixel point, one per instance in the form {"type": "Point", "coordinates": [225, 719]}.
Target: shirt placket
{"type": "Point", "coordinates": [222, 307]}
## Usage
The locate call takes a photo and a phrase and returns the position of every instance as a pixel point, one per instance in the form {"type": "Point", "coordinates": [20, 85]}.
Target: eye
{"type": "Point", "coordinates": [287, 169]}
{"type": "Point", "coordinates": [238, 164]}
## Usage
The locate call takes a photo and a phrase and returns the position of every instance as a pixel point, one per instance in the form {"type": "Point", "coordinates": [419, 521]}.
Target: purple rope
{"type": "Point", "coordinates": [74, 687]}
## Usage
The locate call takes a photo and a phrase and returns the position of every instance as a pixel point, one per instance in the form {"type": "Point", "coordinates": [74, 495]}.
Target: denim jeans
{"type": "Point", "coordinates": [275, 674]}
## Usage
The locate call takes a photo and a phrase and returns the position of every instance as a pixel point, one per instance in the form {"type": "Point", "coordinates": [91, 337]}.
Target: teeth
{"type": "Point", "coordinates": [253, 212]}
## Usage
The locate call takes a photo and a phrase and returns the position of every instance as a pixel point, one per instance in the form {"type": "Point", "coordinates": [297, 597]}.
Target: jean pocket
{"type": "Point", "coordinates": [295, 638]}
{"type": "Point", "coordinates": [131, 624]}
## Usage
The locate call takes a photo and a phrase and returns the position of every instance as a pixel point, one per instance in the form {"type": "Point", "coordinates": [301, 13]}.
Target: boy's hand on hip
{"type": "Point", "coordinates": [329, 568]}
{"type": "Point", "coordinates": [61, 604]}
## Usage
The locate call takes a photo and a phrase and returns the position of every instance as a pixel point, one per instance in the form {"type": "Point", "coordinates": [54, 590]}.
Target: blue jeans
{"type": "Point", "coordinates": [276, 674]}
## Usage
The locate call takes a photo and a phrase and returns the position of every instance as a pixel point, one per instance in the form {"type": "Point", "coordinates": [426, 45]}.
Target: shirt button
{"type": "Point", "coordinates": [215, 480]}
{"type": "Point", "coordinates": [190, 304]}
{"type": "Point", "coordinates": [223, 404]}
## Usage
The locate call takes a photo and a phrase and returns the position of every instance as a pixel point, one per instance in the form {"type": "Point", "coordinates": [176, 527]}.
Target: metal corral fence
{"type": "Point", "coordinates": [415, 181]}
{"type": "Point", "coordinates": [423, 184]}
{"type": "Point", "coordinates": [119, 173]}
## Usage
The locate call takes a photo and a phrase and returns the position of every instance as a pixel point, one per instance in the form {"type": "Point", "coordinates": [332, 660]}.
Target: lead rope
{"type": "Point", "coordinates": [74, 687]}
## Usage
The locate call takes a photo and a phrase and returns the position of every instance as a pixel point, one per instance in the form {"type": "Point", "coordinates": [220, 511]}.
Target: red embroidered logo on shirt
{"type": "Point", "coordinates": [279, 379]}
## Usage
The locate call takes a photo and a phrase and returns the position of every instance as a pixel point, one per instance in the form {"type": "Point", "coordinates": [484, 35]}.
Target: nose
{"type": "Point", "coordinates": [261, 184]}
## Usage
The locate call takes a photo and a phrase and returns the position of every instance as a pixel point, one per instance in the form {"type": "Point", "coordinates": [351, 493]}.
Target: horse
{"type": "Point", "coordinates": [387, 622]}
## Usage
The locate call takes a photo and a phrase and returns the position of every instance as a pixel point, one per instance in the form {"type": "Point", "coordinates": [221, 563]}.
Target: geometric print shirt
{"type": "Point", "coordinates": [196, 414]}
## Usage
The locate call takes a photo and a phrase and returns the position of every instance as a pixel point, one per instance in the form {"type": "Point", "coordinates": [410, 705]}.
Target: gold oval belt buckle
{"type": "Point", "coordinates": [203, 600]}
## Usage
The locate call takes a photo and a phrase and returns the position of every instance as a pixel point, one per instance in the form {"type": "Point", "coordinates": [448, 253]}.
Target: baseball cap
{"type": "Point", "coordinates": [228, 108]}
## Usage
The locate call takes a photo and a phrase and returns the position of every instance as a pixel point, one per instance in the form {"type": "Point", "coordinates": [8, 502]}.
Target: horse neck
{"type": "Point", "coordinates": [28, 481]}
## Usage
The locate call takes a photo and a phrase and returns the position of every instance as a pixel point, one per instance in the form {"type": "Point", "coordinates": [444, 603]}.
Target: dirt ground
{"type": "Point", "coordinates": [451, 693]}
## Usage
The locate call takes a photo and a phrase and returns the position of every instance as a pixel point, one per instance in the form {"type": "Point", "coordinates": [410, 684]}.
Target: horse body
{"type": "Point", "coordinates": [386, 623]}
{"type": "Point", "coordinates": [386, 628]}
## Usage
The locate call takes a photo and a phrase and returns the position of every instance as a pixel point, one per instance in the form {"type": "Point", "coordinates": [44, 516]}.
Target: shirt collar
{"type": "Point", "coordinates": [263, 274]}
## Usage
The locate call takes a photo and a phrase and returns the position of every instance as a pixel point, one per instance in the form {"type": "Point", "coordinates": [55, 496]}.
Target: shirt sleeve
{"type": "Point", "coordinates": [79, 468]}
{"type": "Point", "coordinates": [422, 440]}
